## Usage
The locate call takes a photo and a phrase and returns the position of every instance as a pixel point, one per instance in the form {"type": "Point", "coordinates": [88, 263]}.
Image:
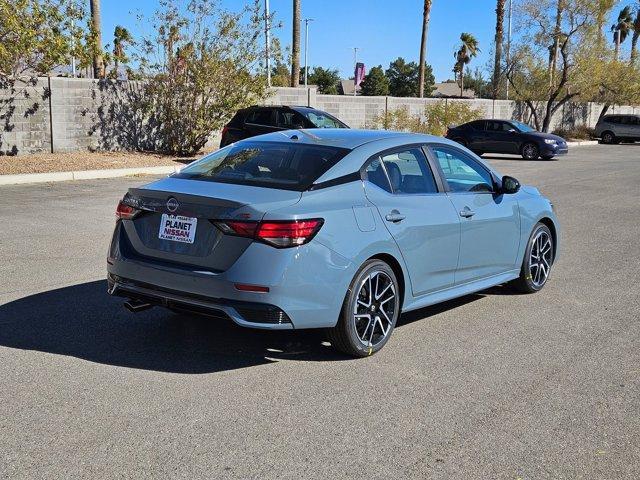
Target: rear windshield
{"type": "Point", "coordinates": [287, 166]}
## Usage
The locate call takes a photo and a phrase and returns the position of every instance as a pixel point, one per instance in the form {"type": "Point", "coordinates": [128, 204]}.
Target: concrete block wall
{"type": "Point", "coordinates": [84, 114]}
{"type": "Point", "coordinates": [24, 119]}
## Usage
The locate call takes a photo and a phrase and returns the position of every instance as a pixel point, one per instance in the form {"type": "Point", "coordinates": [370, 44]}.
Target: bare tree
{"type": "Point", "coordinates": [295, 45]}
{"type": "Point", "coordinates": [423, 46]}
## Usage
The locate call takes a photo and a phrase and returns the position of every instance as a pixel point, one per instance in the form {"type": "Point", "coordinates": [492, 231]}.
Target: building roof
{"type": "Point", "coordinates": [451, 89]}
{"type": "Point", "coordinates": [347, 86]}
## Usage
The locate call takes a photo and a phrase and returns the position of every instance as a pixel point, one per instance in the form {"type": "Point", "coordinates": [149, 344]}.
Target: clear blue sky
{"type": "Point", "coordinates": [383, 29]}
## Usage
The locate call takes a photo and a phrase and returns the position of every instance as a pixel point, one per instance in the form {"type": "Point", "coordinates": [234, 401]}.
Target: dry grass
{"type": "Point", "coordinates": [73, 161]}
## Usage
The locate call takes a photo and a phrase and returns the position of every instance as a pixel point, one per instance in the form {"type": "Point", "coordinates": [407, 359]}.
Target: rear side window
{"type": "Point", "coordinates": [477, 125]}
{"type": "Point", "coordinates": [266, 164]}
{"type": "Point", "coordinates": [262, 116]}
{"type": "Point", "coordinates": [408, 172]}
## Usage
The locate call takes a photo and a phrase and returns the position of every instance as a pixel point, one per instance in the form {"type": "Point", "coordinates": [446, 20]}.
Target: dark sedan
{"type": "Point", "coordinates": [507, 136]}
{"type": "Point", "coordinates": [258, 120]}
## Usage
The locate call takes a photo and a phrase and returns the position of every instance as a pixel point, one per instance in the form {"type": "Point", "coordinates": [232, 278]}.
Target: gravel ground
{"type": "Point", "coordinates": [74, 161]}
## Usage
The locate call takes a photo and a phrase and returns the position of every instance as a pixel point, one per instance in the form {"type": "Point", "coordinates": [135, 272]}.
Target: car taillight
{"type": "Point", "coordinates": [126, 212]}
{"type": "Point", "coordinates": [279, 234]}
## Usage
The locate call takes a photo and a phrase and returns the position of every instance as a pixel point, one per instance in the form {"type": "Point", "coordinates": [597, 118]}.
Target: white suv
{"type": "Point", "coordinates": [615, 128]}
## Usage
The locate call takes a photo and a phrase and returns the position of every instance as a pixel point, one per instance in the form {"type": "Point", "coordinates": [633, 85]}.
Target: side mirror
{"type": "Point", "coordinates": [509, 185]}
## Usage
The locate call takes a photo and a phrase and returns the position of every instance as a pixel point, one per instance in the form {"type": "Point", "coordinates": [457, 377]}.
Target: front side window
{"type": "Point", "coordinates": [290, 119]}
{"type": "Point", "coordinates": [265, 164]}
{"type": "Point", "coordinates": [463, 174]}
{"type": "Point", "coordinates": [408, 172]}
{"type": "Point", "coordinates": [321, 119]}
{"type": "Point", "coordinates": [493, 126]}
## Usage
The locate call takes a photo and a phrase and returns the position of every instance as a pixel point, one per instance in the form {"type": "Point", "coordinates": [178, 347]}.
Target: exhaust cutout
{"type": "Point", "coordinates": [136, 306]}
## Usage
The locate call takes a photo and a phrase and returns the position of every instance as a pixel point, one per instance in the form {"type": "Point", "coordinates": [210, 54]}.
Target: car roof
{"type": "Point", "coordinates": [342, 137]}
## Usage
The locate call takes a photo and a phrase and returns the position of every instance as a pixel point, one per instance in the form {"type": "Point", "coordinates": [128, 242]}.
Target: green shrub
{"type": "Point", "coordinates": [580, 132]}
{"type": "Point", "coordinates": [435, 121]}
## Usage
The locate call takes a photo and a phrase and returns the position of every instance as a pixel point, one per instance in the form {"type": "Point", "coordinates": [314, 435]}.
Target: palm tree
{"type": "Point", "coordinates": [636, 34]}
{"type": "Point", "coordinates": [622, 27]}
{"type": "Point", "coordinates": [467, 50]}
{"type": "Point", "coordinates": [497, 63]}
{"type": "Point", "coordinates": [423, 46]}
{"type": "Point", "coordinates": [295, 46]}
{"type": "Point", "coordinates": [98, 61]}
{"type": "Point", "coordinates": [121, 36]}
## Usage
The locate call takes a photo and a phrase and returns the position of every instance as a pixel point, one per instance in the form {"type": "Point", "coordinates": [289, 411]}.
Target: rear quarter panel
{"type": "Point", "coordinates": [352, 229]}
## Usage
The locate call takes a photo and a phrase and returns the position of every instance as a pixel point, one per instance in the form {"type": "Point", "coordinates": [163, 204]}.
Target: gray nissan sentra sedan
{"type": "Point", "coordinates": [334, 228]}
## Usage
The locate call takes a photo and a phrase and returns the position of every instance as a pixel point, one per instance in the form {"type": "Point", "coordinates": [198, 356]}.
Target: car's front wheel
{"type": "Point", "coordinates": [370, 310]}
{"type": "Point", "coordinates": [530, 151]}
{"type": "Point", "coordinates": [537, 262]}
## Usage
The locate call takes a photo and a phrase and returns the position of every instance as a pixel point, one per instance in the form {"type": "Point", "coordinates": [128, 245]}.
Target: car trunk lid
{"type": "Point", "coordinates": [201, 202]}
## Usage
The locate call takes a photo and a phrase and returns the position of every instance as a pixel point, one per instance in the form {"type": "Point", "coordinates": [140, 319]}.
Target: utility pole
{"type": "Point", "coordinates": [267, 40]}
{"type": "Point", "coordinates": [508, 56]}
{"type": "Point", "coordinates": [355, 62]}
{"type": "Point", "coordinates": [73, 46]}
{"type": "Point", "coordinates": [306, 48]}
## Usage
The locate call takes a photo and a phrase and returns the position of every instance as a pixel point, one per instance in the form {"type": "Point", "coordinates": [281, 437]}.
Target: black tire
{"type": "Point", "coordinates": [346, 335]}
{"type": "Point", "coordinates": [527, 281]}
{"type": "Point", "coordinates": [608, 137]}
{"type": "Point", "coordinates": [530, 151]}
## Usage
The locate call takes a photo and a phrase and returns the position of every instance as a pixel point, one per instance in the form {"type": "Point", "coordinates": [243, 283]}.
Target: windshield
{"type": "Point", "coordinates": [523, 127]}
{"type": "Point", "coordinates": [322, 120]}
{"type": "Point", "coordinates": [285, 166]}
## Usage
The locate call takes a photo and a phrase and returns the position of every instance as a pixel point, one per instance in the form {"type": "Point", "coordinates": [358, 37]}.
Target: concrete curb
{"type": "Point", "coordinates": [583, 143]}
{"type": "Point", "coordinates": [85, 174]}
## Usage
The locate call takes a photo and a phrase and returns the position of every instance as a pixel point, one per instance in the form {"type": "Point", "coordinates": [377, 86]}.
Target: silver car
{"type": "Point", "coordinates": [330, 228]}
{"type": "Point", "coordinates": [616, 128]}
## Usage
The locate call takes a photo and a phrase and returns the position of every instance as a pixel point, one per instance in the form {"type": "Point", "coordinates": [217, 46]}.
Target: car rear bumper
{"type": "Point", "coordinates": [306, 285]}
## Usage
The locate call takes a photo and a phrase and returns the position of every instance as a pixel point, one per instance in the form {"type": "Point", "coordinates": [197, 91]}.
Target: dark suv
{"type": "Point", "coordinates": [257, 120]}
{"type": "Point", "coordinates": [507, 136]}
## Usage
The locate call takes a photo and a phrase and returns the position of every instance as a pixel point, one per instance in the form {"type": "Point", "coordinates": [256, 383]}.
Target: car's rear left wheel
{"type": "Point", "coordinates": [608, 137]}
{"type": "Point", "coordinates": [370, 310]}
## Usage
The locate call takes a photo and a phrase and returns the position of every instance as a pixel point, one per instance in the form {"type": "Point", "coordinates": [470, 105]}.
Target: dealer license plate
{"type": "Point", "coordinates": [178, 228]}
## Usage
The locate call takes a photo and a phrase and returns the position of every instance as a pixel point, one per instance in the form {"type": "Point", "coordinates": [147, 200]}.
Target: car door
{"type": "Point", "coordinates": [477, 136]}
{"type": "Point", "coordinates": [490, 222]}
{"type": "Point", "coordinates": [501, 137]}
{"type": "Point", "coordinates": [417, 213]}
{"type": "Point", "coordinates": [634, 127]}
{"type": "Point", "coordinates": [260, 121]}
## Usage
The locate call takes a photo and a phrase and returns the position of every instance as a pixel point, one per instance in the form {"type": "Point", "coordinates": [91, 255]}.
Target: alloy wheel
{"type": "Point", "coordinates": [375, 308]}
{"type": "Point", "coordinates": [541, 258]}
{"type": "Point", "coordinates": [530, 151]}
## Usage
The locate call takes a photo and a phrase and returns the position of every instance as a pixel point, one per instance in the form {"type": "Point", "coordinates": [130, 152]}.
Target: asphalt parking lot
{"type": "Point", "coordinates": [493, 385]}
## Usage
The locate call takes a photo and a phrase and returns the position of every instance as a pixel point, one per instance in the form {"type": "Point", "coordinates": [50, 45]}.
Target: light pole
{"type": "Point", "coordinates": [355, 63]}
{"type": "Point", "coordinates": [508, 46]}
{"type": "Point", "coordinates": [267, 41]}
{"type": "Point", "coordinates": [306, 48]}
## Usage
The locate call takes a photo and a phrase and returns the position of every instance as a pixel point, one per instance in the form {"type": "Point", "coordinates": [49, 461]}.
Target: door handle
{"type": "Point", "coordinates": [466, 212]}
{"type": "Point", "coordinates": [395, 216]}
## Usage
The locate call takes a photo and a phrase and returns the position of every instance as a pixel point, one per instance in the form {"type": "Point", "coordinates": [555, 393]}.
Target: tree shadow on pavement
{"type": "Point", "coordinates": [83, 321]}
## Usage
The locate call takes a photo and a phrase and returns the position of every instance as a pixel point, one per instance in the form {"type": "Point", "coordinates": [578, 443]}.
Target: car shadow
{"type": "Point", "coordinates": [516, 157]}
{"type": "Point", "coordinates": [83, 321]}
